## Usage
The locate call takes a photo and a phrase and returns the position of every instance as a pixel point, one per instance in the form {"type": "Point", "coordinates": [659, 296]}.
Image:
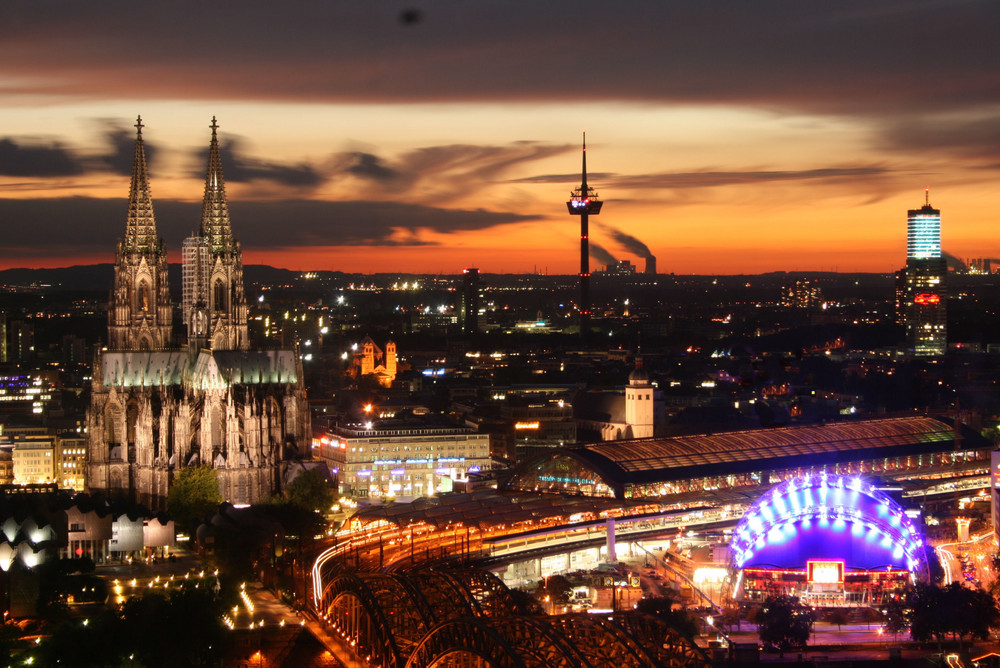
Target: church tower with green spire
{"type": "Point", "coordinates": [140, 313]}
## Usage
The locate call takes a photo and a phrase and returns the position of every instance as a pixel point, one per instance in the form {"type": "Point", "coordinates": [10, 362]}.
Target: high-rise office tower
{"type": "Point", "coordinates": [469, 307]}
{"type": "Point", "coordinates": [926, 271]}
{"type": "Point", "coordinates": [899, 301]}
{"type": "Point", "coordinates": [195, 268]}
{"type": "Point", "coordinates": [583, 202]}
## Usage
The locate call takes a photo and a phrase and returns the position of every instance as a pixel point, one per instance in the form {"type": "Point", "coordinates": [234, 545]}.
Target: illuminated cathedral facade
{"type": "Point", "coordinates": [157, 407]}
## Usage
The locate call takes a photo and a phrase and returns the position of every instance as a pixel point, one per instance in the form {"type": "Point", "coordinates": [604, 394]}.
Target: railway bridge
{"type": "Point", "coordinates": [375, 586]}
{"type": "Point", "coordinates": [469, 618]}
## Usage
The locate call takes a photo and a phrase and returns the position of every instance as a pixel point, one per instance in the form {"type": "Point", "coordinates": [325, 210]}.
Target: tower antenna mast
{"type": "Point", "coordinates": [584, 202]}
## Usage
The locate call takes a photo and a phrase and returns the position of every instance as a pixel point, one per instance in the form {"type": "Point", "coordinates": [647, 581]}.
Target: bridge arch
{"type": "Point", "coordinates": [469, 619]}
{"type": "Point", "coordinates": [405, 609]}
{"type": "Point", "coordinates": [354, 611]}
{"type": "Point", "coordinates": [603, 642]}
{"type": "Point", "coordinates": [446, 596]}
{"type": "Point", "coordinates": [664, 643]}
{"type": "Point", "coordinates": [490, 595]}
{"type": "Point", "coordinates": [512, 642]}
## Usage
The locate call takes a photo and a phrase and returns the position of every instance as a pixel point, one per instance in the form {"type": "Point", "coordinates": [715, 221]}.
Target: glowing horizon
{"type": "Point", "coordinates": [745, 142]}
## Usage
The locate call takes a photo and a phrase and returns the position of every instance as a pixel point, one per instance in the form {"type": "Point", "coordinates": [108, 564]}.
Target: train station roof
{"type": "Point", "coordinates": [485, 509]}
{"type": "Point", "coordinates": [607, 468]}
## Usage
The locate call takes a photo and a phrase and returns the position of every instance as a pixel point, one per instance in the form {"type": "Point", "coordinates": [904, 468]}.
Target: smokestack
{"type": "Point", "coordinates": [650, 265]}
{"type": "Point", "coordinates": [953, 263]}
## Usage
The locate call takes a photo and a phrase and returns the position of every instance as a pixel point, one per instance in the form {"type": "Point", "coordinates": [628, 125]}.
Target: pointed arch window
{"type": "Point", "coordinates": [143, 296]}
{"type": "Point", "coordinates": [218, 436]}
{"type": "Point", "coordinates": [113, 425]}
{"type": "Point", "coordinates": [219, 300]}
{"type": "Point", "coordinates": [131, 421]}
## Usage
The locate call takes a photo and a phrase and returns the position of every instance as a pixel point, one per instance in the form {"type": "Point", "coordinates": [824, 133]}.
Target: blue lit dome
{"type": "Point", "coordinates": [827, 517]}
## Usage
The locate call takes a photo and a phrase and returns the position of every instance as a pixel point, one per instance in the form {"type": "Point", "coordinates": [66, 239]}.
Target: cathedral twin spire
{"type": "Point", "coordinates": [140, 229]}
{"type": "Point", "coordinates": [140, 313]}
{"type": "Point", "coordinates": [215, 225]}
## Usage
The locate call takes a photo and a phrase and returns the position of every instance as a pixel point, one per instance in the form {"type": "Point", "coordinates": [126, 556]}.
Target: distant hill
{"type": "Point", "coordinates": [99, 277]}
{"type": "Point", "coordinates": [85, 277]}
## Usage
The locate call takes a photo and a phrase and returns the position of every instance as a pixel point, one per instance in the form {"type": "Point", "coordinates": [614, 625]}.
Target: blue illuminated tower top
{"type": "Point", "coordinates": [923, 231]}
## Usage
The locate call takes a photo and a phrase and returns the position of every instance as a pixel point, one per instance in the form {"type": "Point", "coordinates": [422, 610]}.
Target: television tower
{"type": "Point", "coordinates": [582, 202]}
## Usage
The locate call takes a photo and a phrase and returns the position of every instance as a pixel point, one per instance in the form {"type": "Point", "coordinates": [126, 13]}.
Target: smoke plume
{"type": "Point", "coordinates": [602, 255]}
{"type": "Point", "coordinates": [630, 243]}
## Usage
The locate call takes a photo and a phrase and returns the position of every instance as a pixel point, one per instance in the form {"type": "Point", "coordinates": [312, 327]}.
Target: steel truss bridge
{"type": "Point", "coordinates": [468, 618]}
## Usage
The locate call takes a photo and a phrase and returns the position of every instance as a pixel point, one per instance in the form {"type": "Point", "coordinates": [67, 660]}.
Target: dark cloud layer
{"type": "Point", "coordinates": [440, 173]}
{"type": "Point", "coordinates": [120, 153]}
{"type": "Point", "coordinates": [23, 159]}
{"type": "Point", "coordinates": [238, 167]}
{"type": "Point", "coordinates": [709, 178]}
{"type": "Point", "coordinates": [592, 178]}
{"type": "Point", "coordinates": [370, 166]}
{"type": "Point", "coordinates": [83, 225]}
{"type": "Point", "coordinates": [850, 56]}
{"type": "Point", "coordinates": [975, 137]}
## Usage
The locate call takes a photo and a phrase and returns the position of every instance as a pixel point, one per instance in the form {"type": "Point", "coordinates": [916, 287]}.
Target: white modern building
{"type": "Point", "coordinates": [397, 459]}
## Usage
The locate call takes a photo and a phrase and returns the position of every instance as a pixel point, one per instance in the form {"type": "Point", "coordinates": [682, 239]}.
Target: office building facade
{"type": "Point", "coordinates": [925, 275]}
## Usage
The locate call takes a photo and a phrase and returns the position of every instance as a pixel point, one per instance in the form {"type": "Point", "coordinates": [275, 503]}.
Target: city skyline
{"type": "Point", "coordinates": [428, 138]}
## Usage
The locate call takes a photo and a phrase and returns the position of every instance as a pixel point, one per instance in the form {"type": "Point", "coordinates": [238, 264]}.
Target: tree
{"type": "Point", "coordinates": [663, 607]}
{"type": "Point", "coordinates": [193, 494]}
{"type": "Point", "coordinates": [557, 588]}
{"type": "Point", "coordinates": [972, 612]}
{"type": "Point", "coordinates": [785, 623]}
{"type": "Point", "coordinates": [925, 602]}
{"type": "Point", "coordinates": [895, 614]}
{"type": "Point", "coordinates": [934, 564]}
{"type": "Point", "coordinates": [97, 640]}
{"type": "Point", "coordinates": [526, 603]}
{"type": "Point", "coordinates": [936, 612]}
{"type": "Point", "coordinates": [731, 618]}
{"type": "Point", "coordinates": [310, 490]}
{"type": "Point", "coordinates": [182, 630]}
{"type": "Point", "coordinates": [837, 616]}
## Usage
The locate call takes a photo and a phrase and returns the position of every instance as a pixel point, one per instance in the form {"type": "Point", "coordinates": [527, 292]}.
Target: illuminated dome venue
{"type": "Point", "coordinates": [830, 540]}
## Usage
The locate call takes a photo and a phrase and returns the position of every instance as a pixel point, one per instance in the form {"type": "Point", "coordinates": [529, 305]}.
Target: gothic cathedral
{"type": "Point", "coordinates": [156, 407]}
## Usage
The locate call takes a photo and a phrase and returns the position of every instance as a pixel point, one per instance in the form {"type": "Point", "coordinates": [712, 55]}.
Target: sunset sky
{"type": "Point", "coordinates": [726, 136]}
